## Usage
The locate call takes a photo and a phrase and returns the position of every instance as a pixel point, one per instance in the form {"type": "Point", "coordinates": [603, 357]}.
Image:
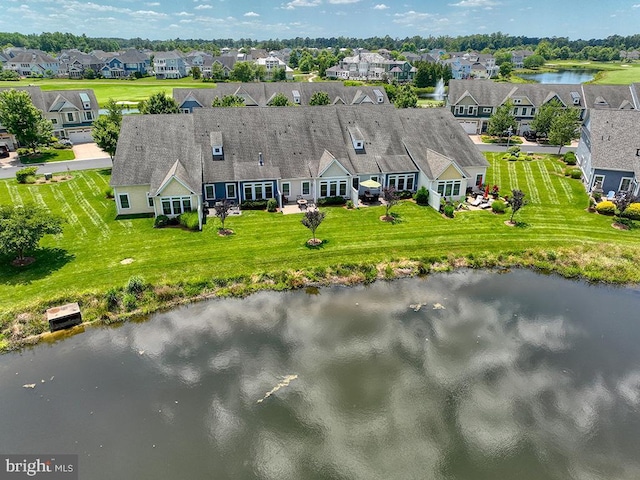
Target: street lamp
{"type": "Point", "coordinates": [509, 132]}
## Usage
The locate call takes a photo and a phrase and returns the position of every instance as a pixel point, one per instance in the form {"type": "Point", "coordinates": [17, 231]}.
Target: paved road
{"type": "Point", "coordinates": [55, 167]}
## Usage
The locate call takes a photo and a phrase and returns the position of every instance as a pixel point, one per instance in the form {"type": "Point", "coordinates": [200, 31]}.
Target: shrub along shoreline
{"type": "Point", "coordinates": [601, 263]}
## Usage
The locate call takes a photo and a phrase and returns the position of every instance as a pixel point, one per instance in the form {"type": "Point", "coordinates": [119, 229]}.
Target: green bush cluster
{"type": "Point", "coordinates": [349, 204]}
{"type": "Point", "coordinates": [26, 175]}
{"type": "Point", "coordinates": [108, 192]}
{"type": "Point", "coordinates": [498, 206]}
{"type": "Point", "coordinates": [632, 212]}
{"type": "Point", "coordinates": [253, 205]}
{"type": "Point", "coordinates": [190, 220]}
{"type": "Point", "coordinates": [135, 285]}
{"type": "Point", "coordinates": [449, 210]}
{"type": "Point", "coordinates": [161, 221]}
{"type": "Point", "coordinates": [23, 152]}
{"type": "Point", "coordinates": [606, 208]}
{"type": "Point", "coordinates": [404, 194]}
{"type": "Point", "coordinates": [422, 196]}
{"type": "Point", "coordinates": [272, 205]}
{"type": "Point", "coordinates": [570, 158]}
{"type": "Point", "coordinates": [328, 201]}
{"type": "Point", "coordinates": [576, 173]}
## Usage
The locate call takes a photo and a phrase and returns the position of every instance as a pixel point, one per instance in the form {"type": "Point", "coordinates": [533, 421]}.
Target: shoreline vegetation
{"type": "Point", "coordinates": [598, 264]}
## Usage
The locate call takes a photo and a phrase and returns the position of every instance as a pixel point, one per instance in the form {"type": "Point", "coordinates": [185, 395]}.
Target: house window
{"type": "Point", "coordinates": [449, 188]}
{"type": "Point", "coordinates": [486, 109]}
{"type": "Point", "coordinates": [231, 190]}
{"type": "Point", "coordinates": [306, 188]}
{"type": "Point", "coordinates": [149, 201]}
{"type": "Point", "coordinates": [286, 189]}
{"type": "Point", "coordinates": [258, 190]}
{"type": "Point", "coordinates": [209, 192]}
{"type": "Point", "coordinates": [54, 121]}
{"type": "Point", "coordinates": [479, 180]}
{"type": "Point", "coordinates": [175, 205]}
{"type": "Point", "coordinates": [88, 115]}
{"type": "Point", "coordinates": [515, 111]}
{"type": "Point", "coordinates": [401, 182]}
{"type": "Point", "coordinates": [184, 110]}
{"type": "Point", "coordinates": [598, 179]}
{"type": "Point", "coordinates": [473, 110]}
{"type": "Point", "coordinates": [70, 116]}
{"type": "Point", "coordinates": [625, 184]}
{"type": "Point", "coordinates": [124, 201]}
{"type": "Point", "coordinates": [375, 178]}
{"type": "Point", "coordinates": [333, 188]}
{"type": "Point", "coordinates": [460, 110]}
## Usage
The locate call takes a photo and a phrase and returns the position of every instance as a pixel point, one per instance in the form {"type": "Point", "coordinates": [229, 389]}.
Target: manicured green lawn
{"type": "Point", "coordinates": [119, 90]}
{"type": "Point", "coordinates": [611, 73]}
{"type": "Point", "coordinates": [49, 155]}
{"type": "Point", "coordinates": [87, 257]}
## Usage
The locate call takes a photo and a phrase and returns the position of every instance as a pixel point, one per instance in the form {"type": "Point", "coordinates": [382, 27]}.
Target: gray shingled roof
{"type": "Point", "coordinates": [614, 140]}
{"type": "Point", "coordinates": [295, 142]}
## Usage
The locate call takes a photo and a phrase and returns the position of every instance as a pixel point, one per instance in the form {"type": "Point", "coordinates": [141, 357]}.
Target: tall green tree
{"type": "Point", "coordinates": [502, 119]}
{"type": "Point", "coordinates": [565, 127]}
{"type": "Point", "coordinates": [319, 98]}
{"type": "Point", "coordinates": [280, 100]}
{"type": "Point", "coordinates": [217, 71]}
{"type": "Point", "coordinates": [541, 122]}
{"type": "Point", "coordinates": [23, 226]}
{"type": "Point", "coordinates": [533, 61]}
{"type": "Point", "coordinates": [22, 119]}
{"type": "Point", "coordinates": [406, 97]}
{"type": "Point", "coordinates": [158, 103]}
{"type": "Point", "coordinates": [505, 69]}
{"type": "Point", "coordinates": [106, 129]}
{"type": "Point", "coordinates": [243, 72]}
{"type": "Point", "coordinates": [196, 73]}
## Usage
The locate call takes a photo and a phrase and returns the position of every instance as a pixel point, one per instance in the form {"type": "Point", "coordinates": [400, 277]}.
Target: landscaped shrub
{"type": "Point", "coordinates": [190, 220]}
{"type": "Point", "coordinates": [108, 192]}
{"type": "Point", "coordinates": [349, 204]}
{"type": "Point", "coordinates": [512, 158]}
{"type": "Point", "coordinates": [135, 285]}
{"type": "Point", "coordinates": [606, 208]}
{"type": "Point", "coordinates": [597, 196]}
{"type": "Point", "coordinates": [404, 194]}
{"type": "Point", "coordinates": [449, 210]}
{"type": "Point", "coordinates": [112, 298]}
{"type": "Point", "coordinates": [570, 158]}
{"type": "Point", "coordinates": [328, 201]}
{"type": "Point", "coordinates": [23, 174]}
{"type": "Point", "coordinates": [272, 205]}
{"type": "Point", "coordinates": [422, 196]}
{"type": "Point", "coordinates": [498, 206]}
{"type": "Point", "coordinates": [515, 150]}
{"type": "Point", "coordinates": [31, 179]}
{"type": "Point", "coordinates": [129, 301]}
{"type": "Point", "coordinates": [253, 205]}
{"type": "Point", "coordinates": [23, 152]}
{"type": "Point", "coordinates": [632, 211]}
{"type": "Point", "coordinates": [528, 158]}
{"type": "Point", "coordinates": [161, 221]}
{"type": "Point", "coordinates": [576, 173]}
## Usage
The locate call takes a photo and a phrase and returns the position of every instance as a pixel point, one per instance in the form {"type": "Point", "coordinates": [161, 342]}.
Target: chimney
{"type": "Point", "coordinates": [260, 161]}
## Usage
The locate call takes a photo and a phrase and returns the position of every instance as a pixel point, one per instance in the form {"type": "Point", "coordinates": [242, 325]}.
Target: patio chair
{"type": "Point", "coordinates": [477, 202]}
{"type": "Point", "coordinates": [611, 195]}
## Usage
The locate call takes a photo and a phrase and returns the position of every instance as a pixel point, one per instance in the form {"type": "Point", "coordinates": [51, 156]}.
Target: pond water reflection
{"type": "Point", "coordinates": [467, 375]}
{"type": "Point", "coordinates": [561, 76]}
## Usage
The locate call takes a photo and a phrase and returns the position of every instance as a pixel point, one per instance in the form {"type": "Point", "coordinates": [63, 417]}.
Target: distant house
{"type": "Point", "coordinates": [72, 113]}
{"type": "Point", "coordinates": [169, 65]}
{"type": "Point", "coordinates": [518, 56]}
{"type": "Point", "coordinates": [74, 63]}
{"type": "Point", "coordinates": [371, 66]}
{"type": "Point", "coordinates": [261, 94]}
{"type": "Point", "coordinates": [473, 102]}
{"type": "Point", "coordinates": [32, 63]}
{"type": "Point", "coordinates": [271, 64]}
{"type": "Point", "coordinates": [609, 150]}
{"type": "Point", "coordinates": [168, 164]}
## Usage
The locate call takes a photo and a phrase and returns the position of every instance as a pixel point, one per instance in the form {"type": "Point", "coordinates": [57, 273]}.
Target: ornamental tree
{"type": "Point", "coordinates": [312, 220]}
{"type": "Point", "coordinates": [390, 196]}
{"type": "Point", "coordinates": [158, 103]}
{"type": "Point", "coordinates": [106, 129]}
{"type": "Point", "coordinates": [23, 226]}
{"type": "Point", "coordinates": [228, 101]}
{"type": "Point", "coordinates": [280, 100]}
{"type": "Point", "coordinates": [20, 117]}
{"type": "Point", "coordinates": [516, 201]}
{"type": "Point", "coordinates": [565, 127]}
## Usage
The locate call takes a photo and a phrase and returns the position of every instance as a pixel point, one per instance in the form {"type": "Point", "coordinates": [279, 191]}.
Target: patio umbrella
{"type": "Point", "coordinates": [370, 184]}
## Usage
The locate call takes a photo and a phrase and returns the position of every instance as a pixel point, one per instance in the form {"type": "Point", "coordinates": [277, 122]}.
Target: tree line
{"type": "Point", "coordinates": [555, 47]}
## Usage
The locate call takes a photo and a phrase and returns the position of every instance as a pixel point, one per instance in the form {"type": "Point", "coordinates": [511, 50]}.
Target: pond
{"type": "Point", "coordinates": [561, 76]}
{"type": "Point", "coordinates": [465, 375]}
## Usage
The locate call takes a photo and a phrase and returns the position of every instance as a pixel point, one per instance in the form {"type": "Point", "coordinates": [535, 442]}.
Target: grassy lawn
{"type": "Point", "coordinates": [119, 90]}
{"type": "Point", "coordinates": [49, 155]}
{"type": "Point", "coordinates": [87, 256]}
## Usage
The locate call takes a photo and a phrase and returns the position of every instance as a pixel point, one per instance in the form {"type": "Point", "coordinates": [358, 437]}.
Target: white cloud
{"type": "Point", "coordinates": [203, 7]}
{"type": "Point", "coordinates": [341, 2]}
{"type": "Point", "coordinates": [251, 14]}
{"type": "Point", "coordinates": [474, 3]}
{"type": "Point", "coordinates": [152, 4]}
{"type": "Point", "coordinates": [380, 6]}
{"type": "Point", "coordinates": [302, 3]}
{"type": "Point", "coordinates": [185, 14]}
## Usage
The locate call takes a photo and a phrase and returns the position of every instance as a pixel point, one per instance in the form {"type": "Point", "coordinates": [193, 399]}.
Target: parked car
{"type": "Point", "coordinates": [4, 150]}
{"type": "Point", "coordinates": [66, 141]}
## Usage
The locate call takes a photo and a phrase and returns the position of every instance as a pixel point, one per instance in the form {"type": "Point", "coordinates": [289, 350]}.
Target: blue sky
{"type": "Point", "coordinates": [207, 19]}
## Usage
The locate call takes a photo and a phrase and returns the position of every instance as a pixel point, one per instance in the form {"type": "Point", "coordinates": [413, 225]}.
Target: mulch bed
{"type": "Point", "coordinates": [224, 232]}
{"type": "Point", "coordinates": [23, 262]}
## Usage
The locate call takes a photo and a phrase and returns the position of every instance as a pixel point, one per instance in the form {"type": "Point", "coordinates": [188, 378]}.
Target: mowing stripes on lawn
{"type": "Point", "coordinates": [37, 198]}
{"type": "Point", "coordinates": [68, 212]}
{"type": "Point", "coordinates": [14, 193]}
{"type": "Point", "coordinates": [513, 175]}
{"type": "Point", "coordinates": [496, 177]}
{"type": "Point", "coordinates": [531, 183]}
{"type": "Point", "coordinates": [563, 181]}
{"type": "Point", "coordinates": [90, 212]}
{"type": "Point", "coordinates": [549, 188]}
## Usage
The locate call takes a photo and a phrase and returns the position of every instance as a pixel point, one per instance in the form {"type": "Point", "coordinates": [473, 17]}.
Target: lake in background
{"type": "Point", "coordinates": [466, 375]}
{"type": "Point", "coordinates": [562, 76]}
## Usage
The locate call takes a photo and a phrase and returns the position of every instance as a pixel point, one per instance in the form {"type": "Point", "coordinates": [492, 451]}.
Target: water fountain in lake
{"type": "Point", "coordinates": [439, 93]}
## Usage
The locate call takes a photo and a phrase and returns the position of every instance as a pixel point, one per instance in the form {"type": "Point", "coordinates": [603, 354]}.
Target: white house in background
{"type": "Point", "coordinates": [272, 63]}
{"type": "Point", "coordinates": [169, 65]}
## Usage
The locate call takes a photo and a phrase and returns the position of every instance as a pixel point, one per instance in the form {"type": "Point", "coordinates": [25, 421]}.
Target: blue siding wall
{"type": "Point", "coordinates": [190, 105]}
{"type": "Point", "coordinates": [220, 190]}
{"type": "Point", "coordinates": [612, 178]}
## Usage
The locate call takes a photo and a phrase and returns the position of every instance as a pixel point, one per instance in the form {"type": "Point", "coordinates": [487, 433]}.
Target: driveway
{"type": "Point", "coordinates": [84, 151]}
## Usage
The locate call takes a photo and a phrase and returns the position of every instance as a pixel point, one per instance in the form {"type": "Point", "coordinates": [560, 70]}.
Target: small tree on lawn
{"type": "Point", "coordinates": [517, 202]}
{"type": "Point", "coordinates": [622, 200]}
{"type": "Point", "coordinates": [222, 212]}
{"type": "Point", "coordinates": [22, 227]}
{"type": "Point", "coordinates": [565, 127]}
{"type": "Point", "coordinates": [390, 196]}
{"type": "Point", "coordinates": [158, 103]}
{"type": "Point", "coordinates": [312, 220]}
{"type": "Point", "coordinates": [106, 129]}
{"type": "Point", "coordinates": [502, 120]}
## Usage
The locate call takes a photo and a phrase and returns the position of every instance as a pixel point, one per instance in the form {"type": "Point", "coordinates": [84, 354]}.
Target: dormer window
{"type": "Point", "coordinates": [217, 151]}
{"type": "Point", "coordinates": [296, 97]}
{"type": "Point", "coordinates": [358, 145]}
{"type": "Point", "coordinates": [357, 139]}
{"type": "Point", "coordinates": [216, 145]}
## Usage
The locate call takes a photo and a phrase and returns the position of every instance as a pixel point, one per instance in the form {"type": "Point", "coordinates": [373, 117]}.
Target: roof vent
{"type": "Point", "coordinates": [260, 160]}
{"type": "Point", "coordinates": [637, 152]}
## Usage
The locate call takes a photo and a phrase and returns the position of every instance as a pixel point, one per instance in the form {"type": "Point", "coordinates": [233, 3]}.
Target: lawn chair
{"type": "Point", "coordinates": [611, 195]}
{"type": "Point", "coordinates": [477, 202]}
